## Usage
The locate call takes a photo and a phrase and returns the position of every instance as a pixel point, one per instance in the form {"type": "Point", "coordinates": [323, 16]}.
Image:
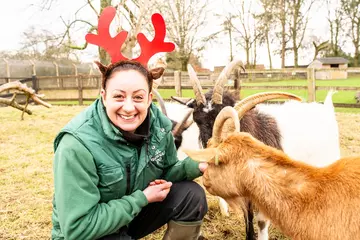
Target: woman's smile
{"type": "Point", "coordinates": [127, 117]}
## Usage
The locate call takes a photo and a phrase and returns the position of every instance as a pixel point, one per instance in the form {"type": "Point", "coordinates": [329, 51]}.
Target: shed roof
{"type": "Point", "coordinates": [333, 60]}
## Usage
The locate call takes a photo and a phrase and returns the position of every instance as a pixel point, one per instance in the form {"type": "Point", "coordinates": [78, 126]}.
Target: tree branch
{"type": "Point", "coordinates": [22, 87]}
{"type": "Point", "coordinates": [14, 104]}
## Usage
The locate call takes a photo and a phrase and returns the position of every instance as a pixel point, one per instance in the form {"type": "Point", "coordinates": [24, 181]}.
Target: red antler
{"type": "Point", "coordinates": [150, 48]}
{"type": "Point", "coordinates": [113, 45]}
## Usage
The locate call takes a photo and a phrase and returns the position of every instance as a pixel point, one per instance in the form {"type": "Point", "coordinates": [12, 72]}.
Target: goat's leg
{"type": "Point", "coordinates": [224, 208]}
{"type": "Point", "coordinates": [263, 226]}
{"type": "Point", "coordinates": [249, 222]}
{"type": "Point", "coordinates": [242, 204]}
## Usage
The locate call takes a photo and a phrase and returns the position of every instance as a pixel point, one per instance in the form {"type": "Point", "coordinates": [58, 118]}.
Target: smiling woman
{"type": "Point", "coordinates": [116, 166]}
{"type": "Point", "coordinates": [126, 96]}
{"type": "Point", "coordinates": [116, 171]}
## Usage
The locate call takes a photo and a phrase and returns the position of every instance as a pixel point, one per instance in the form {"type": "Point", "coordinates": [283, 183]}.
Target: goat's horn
{"type": "Point", "coordinates": [199, 96]}
{"type": "Point", "coordinates": [249, 102]}
{"type": "Point", "coordinates": [225, 114]}
{"type": "Point", "coordinates": [161, 101]}
{"type": "Point", "coordinates": [182, 124]}
{"type": "Point", "coordinates": [223, 77]}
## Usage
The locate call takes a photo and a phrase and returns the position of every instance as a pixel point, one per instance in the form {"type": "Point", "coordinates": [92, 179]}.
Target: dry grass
{"type": "Point", "coordinates": [26, 182]}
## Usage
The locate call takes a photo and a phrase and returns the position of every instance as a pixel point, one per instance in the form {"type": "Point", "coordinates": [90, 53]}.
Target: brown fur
{"type": "Point", "coordinates": [304, 202]}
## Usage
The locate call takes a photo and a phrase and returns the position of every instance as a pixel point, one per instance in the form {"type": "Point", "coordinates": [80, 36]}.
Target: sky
{"type": "Point", "coordinates": [18, 16]}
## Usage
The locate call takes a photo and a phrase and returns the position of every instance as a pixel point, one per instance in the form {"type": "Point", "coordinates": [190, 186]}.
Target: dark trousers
{"type": "Point", "coordinates": [186, 202]}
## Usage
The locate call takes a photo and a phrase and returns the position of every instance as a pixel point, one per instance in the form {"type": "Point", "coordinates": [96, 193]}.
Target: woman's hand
{"type": "Point", "coordinates": [157, 190]}
{"type": "Point", "coordinates": [203, 166]}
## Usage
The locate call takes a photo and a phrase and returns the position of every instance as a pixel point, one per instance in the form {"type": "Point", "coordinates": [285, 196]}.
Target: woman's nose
{"type": "Point", "coordinates": [128, 105]}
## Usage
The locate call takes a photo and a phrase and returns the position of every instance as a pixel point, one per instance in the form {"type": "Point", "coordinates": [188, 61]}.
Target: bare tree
{"type": "Point", "coordinates": [279, 12]}
{"type": "Point", "coordinates": [299, 10]}
{"type": "Point", "coordinates": [184, 21]}
{"type": "Point", "coordinates": [228, 29]}
{"type": "Point", "coordinates": [44, 45]}
{"type": "Point", "coordinates": [134, 13]}
{"type": "Point", "coordinates": [336, 21]}
{"type": "Point", "coordinates": [266, 26]}
{"type": "Point", "coordinates": [245, 28]}
{"type": "Point", "coordinates": [351, 11]}
{"type": "Point", "coordinates": [320, 47]}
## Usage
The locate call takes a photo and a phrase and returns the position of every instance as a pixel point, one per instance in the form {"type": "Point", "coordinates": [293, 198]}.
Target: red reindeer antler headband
{"type": "Point", "coordinates": [113, 44]}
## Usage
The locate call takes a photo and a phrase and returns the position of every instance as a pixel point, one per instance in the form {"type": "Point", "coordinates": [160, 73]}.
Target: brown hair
{"type": "Point", "coordinates": [108, 71]}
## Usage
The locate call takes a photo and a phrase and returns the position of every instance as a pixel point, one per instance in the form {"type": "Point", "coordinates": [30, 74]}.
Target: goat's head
{"type": "Point", "coordinates": [223, 157]}
{"type": "Point", "coordinates": [207, 106]}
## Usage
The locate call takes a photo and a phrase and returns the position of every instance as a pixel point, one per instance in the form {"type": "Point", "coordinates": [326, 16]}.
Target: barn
{"type": "Point", "coordinates": [330, 68]}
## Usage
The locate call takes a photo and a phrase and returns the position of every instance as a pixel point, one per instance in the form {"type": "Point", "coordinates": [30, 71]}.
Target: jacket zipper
{"type": "Point", "coordinates": [128, 172]}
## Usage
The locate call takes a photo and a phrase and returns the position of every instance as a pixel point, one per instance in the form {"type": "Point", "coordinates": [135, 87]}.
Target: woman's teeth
{"type": "Point", "coordinates": [127, 117]}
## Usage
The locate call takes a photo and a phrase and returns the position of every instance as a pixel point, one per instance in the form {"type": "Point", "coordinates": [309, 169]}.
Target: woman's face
{"type": "Point", "coordinates": [127, 99]}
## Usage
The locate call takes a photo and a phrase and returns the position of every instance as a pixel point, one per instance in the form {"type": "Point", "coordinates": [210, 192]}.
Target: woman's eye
{"type": "Point", "coordinates": [119, 97]}
{"type": "Point", "coordinates": [138, 98]}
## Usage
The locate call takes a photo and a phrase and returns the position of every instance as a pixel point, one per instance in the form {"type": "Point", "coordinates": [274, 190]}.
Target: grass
{"type": "Point", "coordinates": [26, 180]}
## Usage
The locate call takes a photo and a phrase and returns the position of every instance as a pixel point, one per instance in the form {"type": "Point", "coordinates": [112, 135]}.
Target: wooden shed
{"type": "Point", "coordinates": [333, 68]}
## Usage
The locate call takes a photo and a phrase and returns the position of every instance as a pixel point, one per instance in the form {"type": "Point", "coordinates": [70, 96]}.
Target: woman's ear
{"type": "Point", "coordinates": [157, 72]}
{"type": "Point", "coordinates": [103, 96]}
{"type": "Point", "coordinates": [101, 67]}
{"type": "Point", "coordinates": [150, 98]}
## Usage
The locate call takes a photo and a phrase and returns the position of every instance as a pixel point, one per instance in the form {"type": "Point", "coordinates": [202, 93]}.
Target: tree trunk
{"type": "Point", "coordinates": [268, 48]}
{"type": "Point", "coordinates": [283, 33]}
{"type": "Point", "coordinates": [356, 57]}
{"type": "Point", "coordinates": [231, 52]}
{"type": "Point", "coordinates": [294, 33]}
{"type": "Point", "coordinates": [247, 50]}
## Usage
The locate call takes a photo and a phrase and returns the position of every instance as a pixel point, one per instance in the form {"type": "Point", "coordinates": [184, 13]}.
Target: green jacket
{"type": "Point", "coordinates": [99, 177]}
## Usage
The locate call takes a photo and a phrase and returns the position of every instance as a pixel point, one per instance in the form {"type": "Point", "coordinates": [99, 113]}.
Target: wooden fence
{"type": "Point", "coordinates": [80, 88]}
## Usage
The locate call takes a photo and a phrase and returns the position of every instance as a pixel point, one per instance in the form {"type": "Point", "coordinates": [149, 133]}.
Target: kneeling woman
{"type": "Point", "coordinates": [116, 171]}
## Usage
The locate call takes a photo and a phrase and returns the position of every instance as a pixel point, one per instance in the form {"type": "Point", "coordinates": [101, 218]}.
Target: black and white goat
{"type": "Point", "coordinates": [304, 131]}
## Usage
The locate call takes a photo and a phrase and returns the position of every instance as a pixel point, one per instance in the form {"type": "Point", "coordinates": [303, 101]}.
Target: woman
{"type": "Point", "coordinates": [116, 171]}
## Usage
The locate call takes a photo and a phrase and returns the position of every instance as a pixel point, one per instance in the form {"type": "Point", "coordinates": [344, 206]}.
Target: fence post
{"type": "Point", "coordinates": [237, 81]}
{"type": "Point", "coordinates": [33, 67]}
{"type": "Point", "coordinates": [177, 80]}
{"type": "Point", "coordinates": [79, 83]}
{"type": "Point", "coordinates": [35, 84]}
{"type": "Point", "coordinates": [236, 78]}
{"type": "Point", "coordinates": [7, 79]}
{"type": "Point", "coordinates": [311, 85]}
{"type": "Point", "coordinates": [57, 74]}
{"type": "Point", "coordinates": [80, 91]}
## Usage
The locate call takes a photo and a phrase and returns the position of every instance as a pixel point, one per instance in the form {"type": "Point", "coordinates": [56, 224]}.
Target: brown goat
{"type": "Point", "coordinates": [304, 202]}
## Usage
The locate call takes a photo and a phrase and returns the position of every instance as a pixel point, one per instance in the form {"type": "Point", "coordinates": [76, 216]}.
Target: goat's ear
{"type": "Point", "coordinates": [202, 155]}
